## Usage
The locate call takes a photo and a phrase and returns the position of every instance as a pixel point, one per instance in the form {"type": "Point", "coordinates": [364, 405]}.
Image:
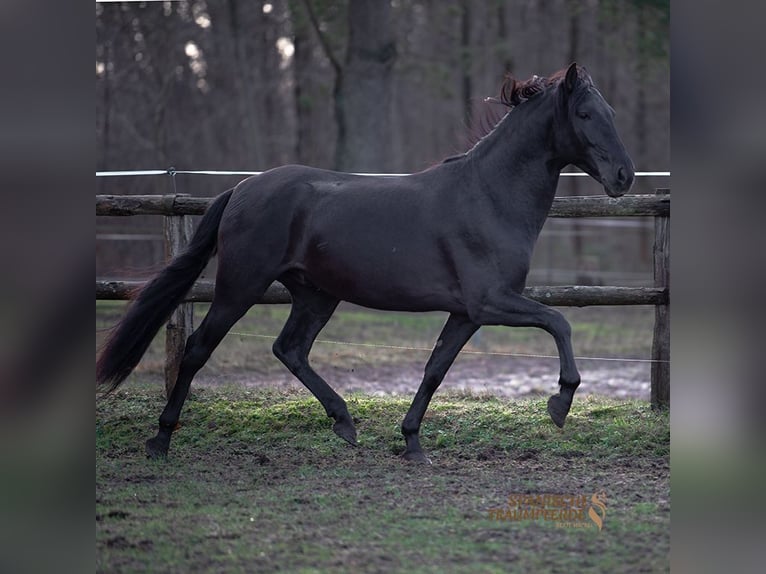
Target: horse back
{"type": "Point", "coordinates": [375, 241]}
{"type": "Point", "coordinates": [410, 243]}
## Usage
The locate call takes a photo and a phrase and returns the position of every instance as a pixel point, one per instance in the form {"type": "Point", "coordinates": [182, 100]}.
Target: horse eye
{"type": "Point", "coordinates": [583, 115]}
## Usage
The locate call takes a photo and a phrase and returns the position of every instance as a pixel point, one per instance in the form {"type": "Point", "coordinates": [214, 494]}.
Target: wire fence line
{"type": "Point", "coordinates": [463, 351]}
{"type": "Point", "coordinates": [171, 172]}
{"type": "Point", "coordinates": [105, 330]}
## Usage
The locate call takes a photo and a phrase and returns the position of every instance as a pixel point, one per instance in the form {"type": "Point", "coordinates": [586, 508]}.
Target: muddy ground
{"type": "Point", "coordinates": [475, 374]}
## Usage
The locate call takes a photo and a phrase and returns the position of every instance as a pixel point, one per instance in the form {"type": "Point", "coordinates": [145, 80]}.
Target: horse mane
{"type": "Point", "coordinates": [512, 93]}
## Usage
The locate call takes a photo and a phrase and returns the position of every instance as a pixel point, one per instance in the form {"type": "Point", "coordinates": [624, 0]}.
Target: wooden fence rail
{"type": "Point", "coordinates": [559, 296]}
{"type": "Point", "coordinates": [589, 206]}
{"type": "Point", "coordinates": [177, 208]}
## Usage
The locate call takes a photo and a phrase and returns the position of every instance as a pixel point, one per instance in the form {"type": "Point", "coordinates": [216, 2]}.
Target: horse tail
{"type": "Point", "coordinates": [154, 303]}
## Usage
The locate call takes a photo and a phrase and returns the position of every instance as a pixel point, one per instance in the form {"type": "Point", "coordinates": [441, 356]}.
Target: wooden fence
{"type": "Point", "coordinates": [178, 231]}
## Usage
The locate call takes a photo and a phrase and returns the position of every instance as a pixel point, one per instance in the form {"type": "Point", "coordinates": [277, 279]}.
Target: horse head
{"type": "Point", "coordinates": [586, 134]}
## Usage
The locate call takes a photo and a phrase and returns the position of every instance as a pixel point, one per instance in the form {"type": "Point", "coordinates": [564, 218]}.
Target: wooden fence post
{"type": "Point", "coordinates": [178, 232]}
{"type": "Point", "coordinates": [660, 391]}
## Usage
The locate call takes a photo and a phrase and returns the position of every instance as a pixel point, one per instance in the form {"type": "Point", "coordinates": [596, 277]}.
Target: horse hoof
{"type": "Point", "coordinates": [156, 449]}
{"type": "Point", "coordinates": [345, 430]}
{"type": "Point", "coordinates": [416, 456]}
{"type": "Point", "coordinates": [558, 409]}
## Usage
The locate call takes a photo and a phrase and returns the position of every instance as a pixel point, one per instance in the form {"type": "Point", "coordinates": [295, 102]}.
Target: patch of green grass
{"type": "Point", "coordinates": [454, 425]}
{"type": "Point", "coordinates": [257, 480]}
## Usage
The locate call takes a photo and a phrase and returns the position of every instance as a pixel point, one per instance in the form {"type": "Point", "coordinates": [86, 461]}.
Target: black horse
{"type": "Point", "coordinates": [457, 237]}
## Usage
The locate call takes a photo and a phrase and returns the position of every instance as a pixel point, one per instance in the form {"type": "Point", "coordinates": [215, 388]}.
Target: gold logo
{"type": "Point", "coordinates": [597, 501]}
{"type": "Point", "coordinates": [564, 510]}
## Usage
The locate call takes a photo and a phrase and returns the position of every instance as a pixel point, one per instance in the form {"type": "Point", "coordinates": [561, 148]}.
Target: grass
{"type": "Point", "coordinates": [256, 481]}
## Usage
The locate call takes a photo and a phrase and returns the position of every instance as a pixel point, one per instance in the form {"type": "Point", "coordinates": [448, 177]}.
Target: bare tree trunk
{"type": "Point", "coordinates": [302, 95]}
{"type": "Point", "coordinates": [640, 115]}
{"type": "Point", "coordinates": [316, 127]}
{"type": "Point", "coordinates": [502, 36]}
{"type": "Point", "coordinates": [364, 89]}
{"type": "Point", "coordinates": [466, 62]}
{"type": "Point", "coordinates": [106, 80]}
{"type": "Point", "coordinates": [340, 118]}
{"type": "Point", "coordinates": [246, 101]}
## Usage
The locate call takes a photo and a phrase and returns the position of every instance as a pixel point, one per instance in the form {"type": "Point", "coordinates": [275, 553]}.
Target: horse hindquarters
{"type": "Point", "coordinates": [246, 268]}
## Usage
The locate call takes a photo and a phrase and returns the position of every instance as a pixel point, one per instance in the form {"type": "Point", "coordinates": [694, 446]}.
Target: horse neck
{"type": "Point", "coordinates": [517, 165]}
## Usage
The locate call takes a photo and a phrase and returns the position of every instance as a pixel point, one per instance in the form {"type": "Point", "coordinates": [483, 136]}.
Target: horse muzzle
{"type": "Point", "coordinates": [620, 181]}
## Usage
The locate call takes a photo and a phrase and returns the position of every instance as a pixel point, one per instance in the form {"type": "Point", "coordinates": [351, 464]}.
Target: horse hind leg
{"type": "Point", "coordinates": [223, 314]}
{"type": "Point", "coordinates": [311, 309]}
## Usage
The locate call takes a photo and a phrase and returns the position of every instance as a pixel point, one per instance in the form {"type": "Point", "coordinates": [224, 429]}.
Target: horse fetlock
{"type": "Point", "coordinates": [410, 429]}
{"type": "Point", "coordinates": [569, 385]}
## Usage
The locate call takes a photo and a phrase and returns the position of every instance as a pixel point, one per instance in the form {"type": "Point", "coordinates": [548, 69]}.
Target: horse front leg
{"type": "Point", "coordinates": [517, 311]}
{"type": "Point", "coordinates": [454, 335]}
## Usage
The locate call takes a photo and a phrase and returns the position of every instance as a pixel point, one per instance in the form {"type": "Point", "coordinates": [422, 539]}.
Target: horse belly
{"type": "Point", "coordinates": [384, 275]}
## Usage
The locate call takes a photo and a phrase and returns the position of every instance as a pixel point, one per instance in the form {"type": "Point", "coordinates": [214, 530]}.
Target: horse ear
{"type": "Point", "coordinates": [570, 80]}
{"type": "Point", "coordinates": [507, 91]}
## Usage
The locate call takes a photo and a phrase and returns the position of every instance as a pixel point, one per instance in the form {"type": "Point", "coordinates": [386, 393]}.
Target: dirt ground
{"type": "Point", "coordinates": [282, 493]}
{"type": "Point", "coordinates": [236, 495]}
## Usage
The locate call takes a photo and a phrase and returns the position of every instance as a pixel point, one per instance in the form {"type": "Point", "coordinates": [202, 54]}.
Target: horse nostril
{"type": "Point", "coordinates": [622, 176]}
